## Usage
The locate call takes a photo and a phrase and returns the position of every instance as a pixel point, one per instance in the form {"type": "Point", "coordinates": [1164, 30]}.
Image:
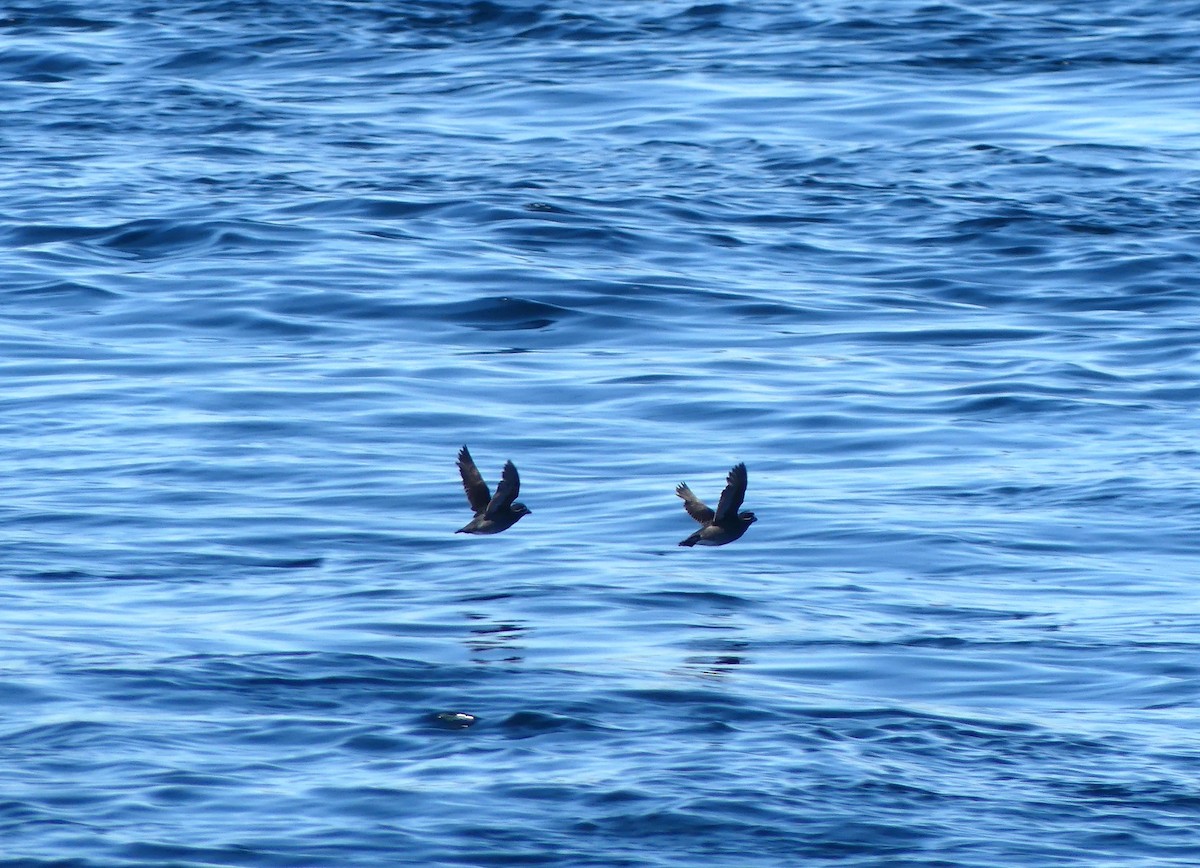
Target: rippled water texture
{"type": "Point", "coordinates": [929, 270]}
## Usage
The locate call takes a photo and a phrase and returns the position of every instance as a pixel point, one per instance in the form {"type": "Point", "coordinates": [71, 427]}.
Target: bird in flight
{"type": "Point", "coordinates": [726, 524]}
{"type": "Point", "coordinates": [492, 513]}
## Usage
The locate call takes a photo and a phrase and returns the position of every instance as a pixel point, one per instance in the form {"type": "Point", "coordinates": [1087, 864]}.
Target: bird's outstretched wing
{"type": "Point", "coordinates": [733, 495]}
{"type": "Point", "coordinates": [695, 507]}
{"type": "Point", "coordinates": [477, 491]}
{"type": "Point", "coordinates": [506, 491]}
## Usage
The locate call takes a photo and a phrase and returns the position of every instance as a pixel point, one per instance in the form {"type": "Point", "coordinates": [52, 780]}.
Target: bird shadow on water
{"type": "Point", "coordinates": [495, 641]}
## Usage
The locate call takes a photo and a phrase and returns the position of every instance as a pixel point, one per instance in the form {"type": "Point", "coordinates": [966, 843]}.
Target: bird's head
{"type": "Point", "coordinates": [748, 518]}
{"type": "Point", "coordinates": [520, 509]}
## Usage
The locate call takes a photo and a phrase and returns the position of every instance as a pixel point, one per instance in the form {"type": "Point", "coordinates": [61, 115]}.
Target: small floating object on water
{"type": "Point", "coordinates": [455, 719]}
{"type": "Point", "coordinates": [492, 514]}
{"type": "Point", "coordinates": [726, 524]}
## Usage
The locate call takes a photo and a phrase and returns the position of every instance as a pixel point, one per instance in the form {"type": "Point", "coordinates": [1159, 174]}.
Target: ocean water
{"type": "Point", "coordinates": [930, 269]}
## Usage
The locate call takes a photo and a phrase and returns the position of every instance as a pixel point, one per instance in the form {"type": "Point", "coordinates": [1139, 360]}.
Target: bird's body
{"type": "Point", "coordinates": [493, 514]}
{"type": "Point", "coordinates": [725, 524]}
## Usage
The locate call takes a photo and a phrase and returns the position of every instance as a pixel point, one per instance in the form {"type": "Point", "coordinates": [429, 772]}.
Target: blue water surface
{"type": "Point", "coordinates": [928, 269]}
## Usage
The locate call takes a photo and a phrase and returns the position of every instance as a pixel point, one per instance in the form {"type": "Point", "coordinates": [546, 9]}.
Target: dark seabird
{"type": "Point", "coordinates": [492, 514]}
{"type": "Point", "coordinates": [726, 524]}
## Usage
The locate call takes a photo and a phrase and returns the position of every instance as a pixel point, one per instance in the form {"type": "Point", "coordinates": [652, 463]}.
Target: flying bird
{"type": "Point", "coordinates": [492, 513]}
{"type": "Point", "coordinates": [726, 524]}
